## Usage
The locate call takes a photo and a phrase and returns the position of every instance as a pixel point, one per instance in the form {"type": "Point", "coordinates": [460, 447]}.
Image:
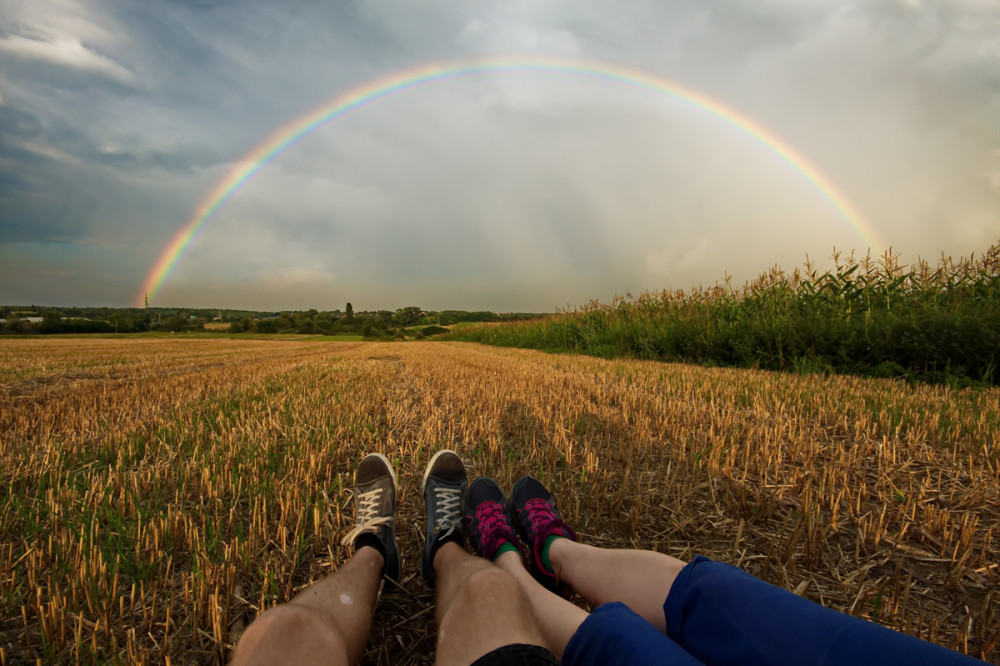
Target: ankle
{"type": "Point", "coordinates": [444, 553]}
{"type": "Point", "coordinates": [369, 540]}
{"type": "Point", "coordinates": [505, 547]}
{"type": "Point", "coordinates": [556, 551]}
{"type": "Point", "coordinates": [509, 560]}
{"type": "Point", "coordinates": [370, 551]}
{"type": "Point", "coordinates": [546, 555]}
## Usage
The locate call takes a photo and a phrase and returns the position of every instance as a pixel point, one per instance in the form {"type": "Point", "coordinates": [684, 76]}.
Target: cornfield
{"type": "Point", "coordinates": [863, 316]}
{"type": "Point", "coordinates": [159, 494]}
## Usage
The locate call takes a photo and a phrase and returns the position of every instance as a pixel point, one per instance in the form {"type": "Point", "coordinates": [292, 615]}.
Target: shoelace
{"type": "Point", "coordinates": [545, 522]}
{"type": "Point", "coordinates": [491, 524]}
{"type": "Point", "coordinates": [449, 510]}
{"type": "Point", "coordinates": [367, 518]}
{"type": "Point", "coordinates": [540, 514]}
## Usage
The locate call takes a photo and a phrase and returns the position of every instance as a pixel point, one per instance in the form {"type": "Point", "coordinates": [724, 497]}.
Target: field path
{"type": "Point", "coordinates": [159, 493]}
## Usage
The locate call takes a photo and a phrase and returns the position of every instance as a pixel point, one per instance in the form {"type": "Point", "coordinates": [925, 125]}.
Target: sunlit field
{"type": "Point", "coordinates": [159, 494]}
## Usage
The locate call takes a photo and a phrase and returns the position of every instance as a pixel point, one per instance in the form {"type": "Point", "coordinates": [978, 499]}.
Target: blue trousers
{"type": "Point", "coordinates": [717, 614]}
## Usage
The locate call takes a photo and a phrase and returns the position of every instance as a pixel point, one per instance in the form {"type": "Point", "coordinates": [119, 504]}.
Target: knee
{"type": "Point", "coordinates": [488, 611]}
{"type": "Point", "coordinates": [290, 633]}
{"type": "Point", "coordinates": [488, 590]}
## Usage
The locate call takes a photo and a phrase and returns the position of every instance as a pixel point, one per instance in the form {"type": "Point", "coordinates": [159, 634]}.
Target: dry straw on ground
{"type": "Point", "coordinates": [158, 494]}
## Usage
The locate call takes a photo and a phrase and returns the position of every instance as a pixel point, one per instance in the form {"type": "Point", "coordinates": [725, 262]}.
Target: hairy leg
{"type": "Point", "coordinates": [480, 608]}
{"type": "Point", "coordinates": [558, 619]}
{"type": "Point", "coordinates": [640, 579]}
{"type": "Point", "coordinates": [327, 623]}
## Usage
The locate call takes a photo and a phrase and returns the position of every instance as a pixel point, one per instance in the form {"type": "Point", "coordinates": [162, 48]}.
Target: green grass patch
{"type": "Point", "coordinates": [330, 338]}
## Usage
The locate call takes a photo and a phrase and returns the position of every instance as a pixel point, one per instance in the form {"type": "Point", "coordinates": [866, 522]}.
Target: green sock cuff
{"type": "Point", "coordinates": [546, 562]}
{"type": "Point", "coordinates": [507, 547]}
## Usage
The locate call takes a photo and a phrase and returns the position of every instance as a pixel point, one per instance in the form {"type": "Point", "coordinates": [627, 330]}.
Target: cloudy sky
{"type": "Point", "coordinates": [517, 190]}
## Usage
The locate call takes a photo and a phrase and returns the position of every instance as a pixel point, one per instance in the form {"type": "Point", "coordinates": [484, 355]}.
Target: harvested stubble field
{"type": "Point", "coordinates": [158, 494]}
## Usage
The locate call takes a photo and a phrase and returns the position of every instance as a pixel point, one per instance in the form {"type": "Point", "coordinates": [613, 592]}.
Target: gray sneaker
{"type": "Point", "coordinates": [445, 483]}
{"type": "Point", "coordinates": [374, 512]}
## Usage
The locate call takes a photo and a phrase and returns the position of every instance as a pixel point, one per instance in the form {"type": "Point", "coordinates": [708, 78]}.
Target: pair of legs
{"type": "Point", "coordinates": [628, 587]}
{"type": "Point", "coordinates": [479, 609]}
{"type": "Point", "coordinates": [654, 609]}
{"type": "Point", "coordinates": [640, 579]}
{"type": "Point", "coordinates": [481, 605]}
{"type": "Point", "coordinates": [493, 607]}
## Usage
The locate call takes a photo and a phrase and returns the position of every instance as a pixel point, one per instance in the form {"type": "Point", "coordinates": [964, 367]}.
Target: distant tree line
{"type": "Point", "coordinates": [381, 324]}
{"type": "Point", "coordinates": [33, 319]}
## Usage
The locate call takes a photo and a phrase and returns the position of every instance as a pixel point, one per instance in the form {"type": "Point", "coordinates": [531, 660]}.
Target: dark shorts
{"type": "Point", "coordinates": [615, 634]}
{"type": "Point", "coordinates": [519, 654]}
{"type": "Point", "coordinates": [721, 615]}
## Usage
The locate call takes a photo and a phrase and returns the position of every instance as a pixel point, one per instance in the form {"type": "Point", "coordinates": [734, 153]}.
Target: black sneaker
{"type": "Point", "coordinates": [374, 512]}
{"type": "Point", "coordinates": [533, 511]}
{"type": "Point", "coordinates": [486, 519]}
{"type": "Point", "coordinates": [445, 483]}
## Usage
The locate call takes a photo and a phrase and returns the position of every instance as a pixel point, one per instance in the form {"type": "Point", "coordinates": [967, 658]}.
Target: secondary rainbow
{"type": "Point", "coordinates": [291, 133]}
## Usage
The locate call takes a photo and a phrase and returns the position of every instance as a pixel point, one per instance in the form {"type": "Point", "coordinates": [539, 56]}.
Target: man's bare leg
{"type": "Point", "coordinates": [327, 623]}
{"type": "Point", "coordinates": [640, 579]}
{"type": "Point", "coordinates": [480, 608]}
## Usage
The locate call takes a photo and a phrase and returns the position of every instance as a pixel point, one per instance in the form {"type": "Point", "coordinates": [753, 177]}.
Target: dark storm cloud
{"type": "Point", "coordinates": [32, 210]}
{"type": "Point", "coordinates": [17, 126]}
{"type": "Point", "coordinates": [56, 180]}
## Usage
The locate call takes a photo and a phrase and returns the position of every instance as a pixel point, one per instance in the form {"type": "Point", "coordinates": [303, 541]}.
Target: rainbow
{"type": "Point", "coordinates": [291, 133]}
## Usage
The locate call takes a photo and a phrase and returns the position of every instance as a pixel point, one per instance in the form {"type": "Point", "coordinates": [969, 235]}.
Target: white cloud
{"type": "Point", "coordinates": [66, 51]}
{"type": "Point", "coordinates": [696, 257]}
{"type": "Point", "coordinates": [674, 258]}
{"type": "Point", "coordinates": [296, 276]}
{"type": "Point", "coordinates": [474, 28]}
{"type": "Point", "coordinates": [993, 174]}
{"type": "Point", "coordinates": [513, 37]}
{"type": "Point", "coordinates": [66, 33]}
